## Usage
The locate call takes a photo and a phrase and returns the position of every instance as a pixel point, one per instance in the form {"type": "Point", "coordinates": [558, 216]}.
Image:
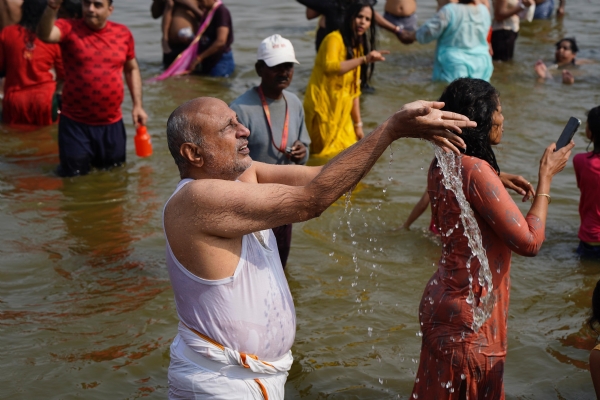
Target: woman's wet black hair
{"type": "Point", "coordinates": [32, 11]}
{"type": "Point", "coordinates": [595, 317]}
{"type": "Point", "coordinates": [477, 100]}
{"type": "Point", "coordinates": [572, 41]}
{"type": "Point", "coordinates": [353, 41]}
{"type": "Point", "coordinates": [593, 121]}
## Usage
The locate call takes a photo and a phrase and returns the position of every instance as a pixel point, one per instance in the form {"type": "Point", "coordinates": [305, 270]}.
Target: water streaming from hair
{"type": "Point", "coordinates": [450, 165]}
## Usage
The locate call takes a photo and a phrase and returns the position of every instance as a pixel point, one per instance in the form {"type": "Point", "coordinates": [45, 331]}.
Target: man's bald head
{"type": "Point", "coordinates": [185, 126]}
{"type": "Point", "coordinates": [206, 140]}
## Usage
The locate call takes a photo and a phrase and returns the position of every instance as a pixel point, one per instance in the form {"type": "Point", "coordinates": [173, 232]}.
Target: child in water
{"type": "Point", "coordinates": [587, 172]}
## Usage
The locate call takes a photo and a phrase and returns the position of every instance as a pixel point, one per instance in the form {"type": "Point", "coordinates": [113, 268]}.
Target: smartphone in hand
{"type": "Point", "coordinates": [567, 134]}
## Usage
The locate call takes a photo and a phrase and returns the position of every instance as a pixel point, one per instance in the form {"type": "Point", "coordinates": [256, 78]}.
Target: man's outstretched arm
{"type": "Point", "coordinates": [232, 209]}
{"type": "Point", "coordinates": [46, 29]}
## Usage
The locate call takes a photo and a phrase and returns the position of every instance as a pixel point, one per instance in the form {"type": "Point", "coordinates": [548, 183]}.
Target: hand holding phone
{"type": "Point", "coordinates": [567, 134]}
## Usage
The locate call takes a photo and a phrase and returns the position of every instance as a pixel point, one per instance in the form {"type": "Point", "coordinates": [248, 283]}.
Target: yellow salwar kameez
{"type": "Point", "coordinates": [329, 97]}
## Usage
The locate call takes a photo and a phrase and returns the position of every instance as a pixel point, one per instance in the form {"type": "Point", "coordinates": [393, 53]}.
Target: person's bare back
{"type": "Point", "coordinates": [401, 8]}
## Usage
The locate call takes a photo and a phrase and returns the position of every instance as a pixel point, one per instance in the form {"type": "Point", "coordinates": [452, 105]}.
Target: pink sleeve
{"type": "Point", "coordinates": [489, 198]}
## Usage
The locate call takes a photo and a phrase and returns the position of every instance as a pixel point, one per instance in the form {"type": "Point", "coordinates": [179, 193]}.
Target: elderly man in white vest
{"type": "Point", "coordinates": [237, 317]}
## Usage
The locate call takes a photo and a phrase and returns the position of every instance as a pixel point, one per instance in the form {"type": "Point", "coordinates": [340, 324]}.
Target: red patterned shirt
{"type": "Point", "coordinates": [94, 61]}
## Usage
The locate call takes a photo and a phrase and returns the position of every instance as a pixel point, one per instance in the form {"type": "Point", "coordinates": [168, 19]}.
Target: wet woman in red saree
{"type": "Point", "coordinates": [458, 359]}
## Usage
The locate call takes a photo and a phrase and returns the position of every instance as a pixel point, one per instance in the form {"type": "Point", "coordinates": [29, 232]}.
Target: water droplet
{"type": "Point", "coordinates": [331, 254]}
{"type": "Point", "coordinates": [384, 190]}
{"type": "Point", "coordinates": [415, 396]}
{"type": "Point", "coordinates": [340, 279]}
{"type": "Point", "coordinates": [420, 334]}
{"type": "Point", "coordinates": [381, 381]}
{"type": "Point", "coordinates": [463, 376]}
{"type": "Point", "coordinates": [369, 331]}
{"type": "Point", "coordinates": [417, 380]}
{"type": "Point", "coordinates": [333, 236]}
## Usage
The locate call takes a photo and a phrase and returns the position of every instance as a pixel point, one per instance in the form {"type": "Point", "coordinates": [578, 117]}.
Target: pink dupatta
{"type": "Point", "coordinates": [185, 59]}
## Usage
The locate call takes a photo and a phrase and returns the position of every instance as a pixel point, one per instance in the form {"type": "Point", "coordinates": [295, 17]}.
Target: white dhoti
{"type": "Point", "coordinates": [211, 371]}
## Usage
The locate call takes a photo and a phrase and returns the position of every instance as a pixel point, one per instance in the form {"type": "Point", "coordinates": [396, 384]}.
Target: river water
{"type": "Point", "coordinates": [86, 308]}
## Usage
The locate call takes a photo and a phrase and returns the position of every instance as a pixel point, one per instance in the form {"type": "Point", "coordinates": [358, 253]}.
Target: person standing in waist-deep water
{"type": "Point", "coordinates": [96, 53]}
{"type": "Point", "coordinates": [179, 25]}
{"type": "Point", "coordinates": [545, 8]}
{"type": "Point", "coordinates": [237, 317]}
{"type": "Point", "coordinates": [463, 357]}
{"type": "Point", "coordinates": [587, 172]}
{"type": "Point", "coordinates": [215, 57]}
{"type": "Point", "coordinates": [505, 27]}
{"type": "Point", "coordinates": [331, 102]}
{"type": "Point", "coordinates": [275, 118]}
{"type": "Point", "coordinates": [32, 68]}
{"type": "Point", "coordinates": [462, 50]}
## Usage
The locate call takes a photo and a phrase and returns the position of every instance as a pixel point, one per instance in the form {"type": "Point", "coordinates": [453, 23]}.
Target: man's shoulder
{"type": "Point", "coordinates": [292, 98]}
{"type": "Point", "coordinates": [117, 27]}
{"type": "Point", "coordinates": [248, 98]}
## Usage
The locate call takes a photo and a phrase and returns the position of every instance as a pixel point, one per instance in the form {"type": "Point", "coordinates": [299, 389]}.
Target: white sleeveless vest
{"type": "Point", "coordinates": [251, 311]}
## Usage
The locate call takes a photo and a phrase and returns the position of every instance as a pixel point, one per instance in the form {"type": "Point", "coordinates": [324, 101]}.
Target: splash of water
{"type": "Point", "coordinates": [450, 164]}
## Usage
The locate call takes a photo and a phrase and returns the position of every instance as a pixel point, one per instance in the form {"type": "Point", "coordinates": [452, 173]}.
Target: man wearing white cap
{"type": "Point", "coordinates": [275, 117]}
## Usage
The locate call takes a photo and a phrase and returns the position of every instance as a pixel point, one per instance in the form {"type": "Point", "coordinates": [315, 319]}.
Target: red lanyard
{"type": "Point", "coordinates": [286, 124]}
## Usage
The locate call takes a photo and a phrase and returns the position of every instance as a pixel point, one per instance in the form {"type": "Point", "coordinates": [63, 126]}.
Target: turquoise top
{"type": "Point", "coordinates": [462, 50]}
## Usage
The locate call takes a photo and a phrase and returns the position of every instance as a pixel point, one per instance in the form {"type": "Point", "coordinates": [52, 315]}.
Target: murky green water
{"type": "Point", "coordinates": [86, 309]}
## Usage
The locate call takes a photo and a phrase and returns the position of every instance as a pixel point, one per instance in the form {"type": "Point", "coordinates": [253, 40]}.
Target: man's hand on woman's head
{"type": "Point", "coordinates": [425, 120]}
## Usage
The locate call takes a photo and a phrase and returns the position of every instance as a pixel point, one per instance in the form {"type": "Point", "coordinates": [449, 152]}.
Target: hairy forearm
{"type": "Point", "coordinates": [343, 172]}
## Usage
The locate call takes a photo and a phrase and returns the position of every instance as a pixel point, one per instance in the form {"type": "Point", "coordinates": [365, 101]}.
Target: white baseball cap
{"type": "Point", "coordinates": [276, 50]}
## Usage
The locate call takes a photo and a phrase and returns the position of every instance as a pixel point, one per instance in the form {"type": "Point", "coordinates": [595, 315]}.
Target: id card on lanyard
{"type": "Point", "coordinates": [286, 124]}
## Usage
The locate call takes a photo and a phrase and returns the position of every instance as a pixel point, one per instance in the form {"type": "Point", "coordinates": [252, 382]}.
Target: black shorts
{"type": "Point", "coordinates": [503, 44]}
{"type": "Point", "coordinates": [82, 146]}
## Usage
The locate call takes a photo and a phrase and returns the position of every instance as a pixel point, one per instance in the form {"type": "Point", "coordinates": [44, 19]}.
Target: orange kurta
{"type": "Point", "coordinates": [452, 354]}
